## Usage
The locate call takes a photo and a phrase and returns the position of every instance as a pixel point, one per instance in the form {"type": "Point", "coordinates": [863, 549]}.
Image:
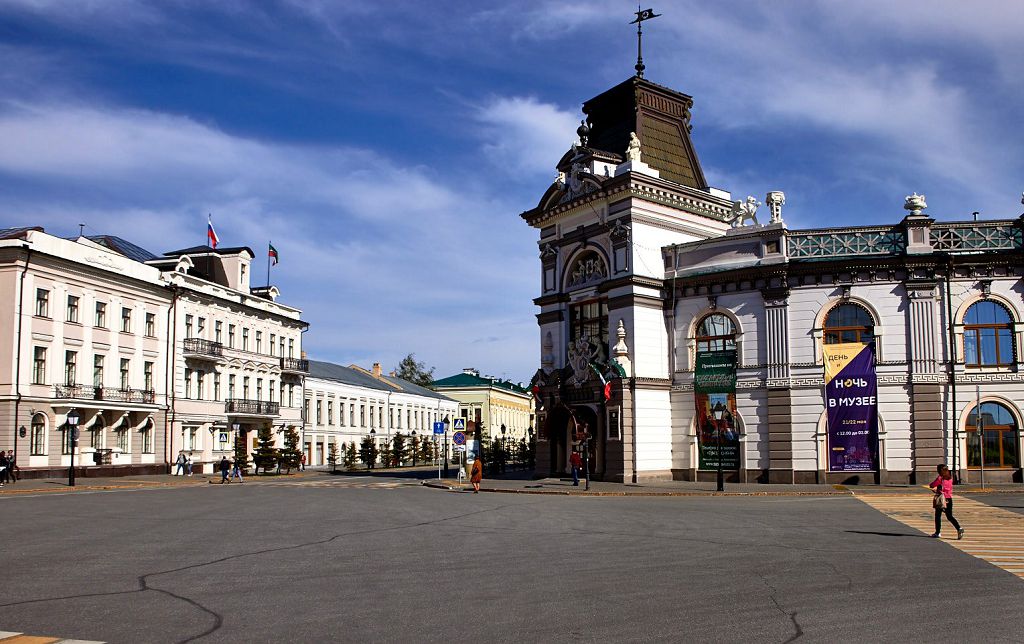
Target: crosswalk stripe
{"type": "Point", "coordinates": [992, 534]}
{"type": "Point", "coordinates": [9, 637]}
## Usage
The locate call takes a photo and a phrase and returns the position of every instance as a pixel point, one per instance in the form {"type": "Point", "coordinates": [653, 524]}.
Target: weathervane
{"type": "Point", "coordinates": [641, 15]}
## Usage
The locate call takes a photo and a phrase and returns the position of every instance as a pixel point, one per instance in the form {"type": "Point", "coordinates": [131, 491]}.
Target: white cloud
{"type": "Point", "coordinates": [526, 135]}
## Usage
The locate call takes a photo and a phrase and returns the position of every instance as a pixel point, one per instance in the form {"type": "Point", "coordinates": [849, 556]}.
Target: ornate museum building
{"type": "Point", "coordinates": [679, 335]}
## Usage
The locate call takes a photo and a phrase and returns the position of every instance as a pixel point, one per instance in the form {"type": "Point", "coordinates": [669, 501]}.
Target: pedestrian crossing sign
{"type": "Point", "coordinates": [459, 423]}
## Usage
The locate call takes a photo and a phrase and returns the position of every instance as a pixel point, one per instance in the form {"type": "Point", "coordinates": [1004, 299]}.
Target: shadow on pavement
{"type": "Point", "coordinates": [888, 534]}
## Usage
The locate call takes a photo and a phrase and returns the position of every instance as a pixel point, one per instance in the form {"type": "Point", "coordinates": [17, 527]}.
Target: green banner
{"type": "Point", "coordinates": [714, 386]}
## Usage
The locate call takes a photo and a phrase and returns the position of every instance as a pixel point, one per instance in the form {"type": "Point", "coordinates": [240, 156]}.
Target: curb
{"type": "Point", "coordinates": [455, 488]}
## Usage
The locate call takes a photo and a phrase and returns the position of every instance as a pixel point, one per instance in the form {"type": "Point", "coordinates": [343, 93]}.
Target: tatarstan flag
{"type": "Point", "coordinates": [272, 254]}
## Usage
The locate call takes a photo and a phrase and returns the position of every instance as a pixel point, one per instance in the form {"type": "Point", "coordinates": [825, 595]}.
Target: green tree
{"type": "Point", "coordinates": [266, 455]}
{"type": "Point", "coordinates": [414, 450]}
{"type": "Point", "coordinates": [398, 449]}
{"type": "Point", "coordinates": [427, 449]}
{"type": "Point", "coordinates": [368, 452]}
{"type": "Point", "coordinates": [332, 455]}
{"type": "Point", "coordinates": [385, 454]}
{"type": "Point", "coordinates": [415, 372]}
{"type": "Point", "coordinates": [351, 455]}
{"type": "Point", "coordinates": [290, 456]}
{"type": "Point", "coordinates": [242, 451]}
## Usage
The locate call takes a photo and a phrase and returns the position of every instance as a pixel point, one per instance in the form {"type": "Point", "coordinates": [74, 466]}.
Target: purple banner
{"type": "Point", "coordinates": [851, 400]}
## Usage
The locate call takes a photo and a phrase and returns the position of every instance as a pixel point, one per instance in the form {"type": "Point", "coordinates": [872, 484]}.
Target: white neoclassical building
{"type": "Point", "coordinates": [681, 333]}
{"type": "Point", "coordinates": [343, 405]}
{"type": "Point", "coordinates": [157, 354]}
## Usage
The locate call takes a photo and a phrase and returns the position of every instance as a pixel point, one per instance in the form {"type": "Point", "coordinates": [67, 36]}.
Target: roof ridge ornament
{"type": "Point", "coordinates": [915, 204]}
{"type": "Point", "coordinates": [641, 15]}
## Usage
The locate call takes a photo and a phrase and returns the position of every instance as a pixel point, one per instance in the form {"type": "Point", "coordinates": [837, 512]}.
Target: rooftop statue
{"type": "Point", "coordinates": [633, 149]}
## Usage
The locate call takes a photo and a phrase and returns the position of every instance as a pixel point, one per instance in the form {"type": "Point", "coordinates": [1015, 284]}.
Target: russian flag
{"type": "Point", "coordinates": [211, 234]}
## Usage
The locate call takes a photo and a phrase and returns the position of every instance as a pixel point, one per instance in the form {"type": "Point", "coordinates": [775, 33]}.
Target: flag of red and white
{"type": "Point", "coordinates": [211, 234]}
{"type": "Point", "coordinates": [606, 384]}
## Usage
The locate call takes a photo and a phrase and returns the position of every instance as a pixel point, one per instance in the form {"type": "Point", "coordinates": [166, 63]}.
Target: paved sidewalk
{"type": "Point", "coordinates": [84, 484]}
{"type": "Point", "coordinates": [693, 488]}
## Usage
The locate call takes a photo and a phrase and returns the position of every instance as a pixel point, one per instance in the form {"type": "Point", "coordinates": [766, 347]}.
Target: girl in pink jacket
{"type": "Point", "coordinates": [943, 485]}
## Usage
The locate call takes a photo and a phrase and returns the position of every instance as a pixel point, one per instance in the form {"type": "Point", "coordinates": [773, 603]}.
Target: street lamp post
{"type": "Point", "coordinates": [719, 413]}
{"type": "Point", "coordinates": [373, 442]}
{"type": "Point", "coordinates": [503, 429]}
{"type": "Point", "coordinates": [414, 448]}
{"type": "Point", "coordinates": [72, 421]}
{"type": "Point", "coordinates": [446, 423]}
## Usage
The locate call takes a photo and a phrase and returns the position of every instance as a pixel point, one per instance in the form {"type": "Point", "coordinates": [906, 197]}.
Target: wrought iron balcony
{"type": "Point", "coordinates": [294, 365]}
{"type": "Point", "coordinates": [144, 396]}
{"type": "Point", "coordinates": [78, 392]}
{"type": "Point", "coordinates": [202, 349]}
{"type": "Point", "coordinates": [246, 407]}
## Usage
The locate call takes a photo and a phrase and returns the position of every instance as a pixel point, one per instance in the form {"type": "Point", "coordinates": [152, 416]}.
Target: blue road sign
{"type": "Point", "coordinates": [459, 438]}
{"type": "Point", "coordinates": [459, 423]}
{"type": "Point", "coordinates": [438, 428]}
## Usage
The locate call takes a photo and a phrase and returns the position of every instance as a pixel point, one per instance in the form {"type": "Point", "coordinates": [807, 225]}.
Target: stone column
{"type": "Point", "coordinates": [927, 431]}
{"type": "Point", "coordinates": [780, 400]}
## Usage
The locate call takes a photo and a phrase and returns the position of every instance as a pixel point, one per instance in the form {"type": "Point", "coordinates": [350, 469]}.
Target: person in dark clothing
{"type": "Point", "coordinates": [3, 468]}
{"type": "Point", "coordinates": [12, 466]}
{"type": "Point", "coordinates": [225, 467]}
{"type": "Point", "coordinates": [943, 503]}
{"type": "Point", "coordinates": [577, 464]}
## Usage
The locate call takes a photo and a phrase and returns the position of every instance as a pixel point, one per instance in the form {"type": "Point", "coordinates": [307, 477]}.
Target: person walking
{"type": "Point", "coordinates": [476, 474]}
{"type": "Point", "coordinates": [3, 468]}
{"type": "Point", "coordinates": [577, 464]}
{"type": "Point", "coordinates": [236, 473]}
{"type": "Point", "coordinates": [188, 463]}
{"type": "Point", "coordinates": [180, 462]}
{"type": "Point", "coordinates": [12, 465]}
{"type": "Point", "coordinates": [225, 467]}
{"type": "Point", "coordinates": [942, 486]}
{"type": "Point", "coordinates": [302, 462]}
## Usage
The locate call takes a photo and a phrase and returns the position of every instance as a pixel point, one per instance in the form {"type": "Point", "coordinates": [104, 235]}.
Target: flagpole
{"type": "Point", "coordinates": [269, 244]}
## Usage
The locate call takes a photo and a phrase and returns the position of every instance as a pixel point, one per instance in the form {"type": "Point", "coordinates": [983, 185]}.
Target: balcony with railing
{"type": "Point", "coordinates": [109, 394]}
{"type": "Point", "coordinates": [294, 365]}
{"type": "Point", "coordinates": [247, 407]}
{"type": "Point", "coordinates": [200, 349]}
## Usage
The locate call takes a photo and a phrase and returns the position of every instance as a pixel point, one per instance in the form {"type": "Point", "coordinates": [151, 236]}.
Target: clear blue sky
{"type": "Point", "coordinates": [387, 149]}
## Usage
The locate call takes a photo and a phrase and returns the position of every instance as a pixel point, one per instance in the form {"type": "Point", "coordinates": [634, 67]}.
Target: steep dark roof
{"type": "Point", "coordinates": [359, 378]}
{"type": "Point", "coordinates": [123, 246]}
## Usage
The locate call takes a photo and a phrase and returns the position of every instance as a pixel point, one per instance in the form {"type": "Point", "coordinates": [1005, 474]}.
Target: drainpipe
{"type": "Point", "coordinates": [951, 357]}
{"type": "Point", "coordinates": [169, 362]}
{"type": "Point", "coordinates": [17, 359]}
{"type": "Point", "coordinates": [302, 400]}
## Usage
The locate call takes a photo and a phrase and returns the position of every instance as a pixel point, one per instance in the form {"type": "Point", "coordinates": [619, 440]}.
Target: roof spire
{"type": "Point", "coordinates": [641, 15]}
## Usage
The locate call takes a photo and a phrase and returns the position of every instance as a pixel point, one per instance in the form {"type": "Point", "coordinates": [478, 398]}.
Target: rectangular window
{"type": "Point", "coordinates": [273, 339]}
{"type": "Point", "coordinates": [70, 367]}
{"type": "Point", "coordinates": [281, 346]}
{"type": "Point", "coordinates": [126, 320]}
{"type": "Point", "coordinates": [291, 348]}
{"type": "Point", "coordinates": [259, 389]}
{"type": "Point", "coordinates": [231, 386]}
{"type": "Point", "coordinates": [352, 415]}
{"type": "Point", "coordinates": [200, 383]}
{"type": "Point", "coordinates": [38, 435]}
{"type": "Point", "coordinates": [147, 441]}
{"type": "Point", "coordinates": [231, 336]}
{"type": "Point", "coordinates": [218, 330]}
{"type": "Point", "coordinates": [372, 416]}
{"type": "Point", "coordinates": [67, 441]}
{"type": "Point", "coordinates": [147, 376]}
{"type": "Point", "coordinates": [188, 326]}
{"type": "Point", "coordinates": [305, 410]}
{"type": "Point", "coordinates": [319, 412]}
{"type": "Point", "coordinates": [200, 327]}
{"type": "Point", "coordinates": [399, 419]}
{"type": "Point", "coordinates": [39, 366]}
{"type": "Point", "coordinates": [72, 315]}
{"type": "Point", "coordinates": [291, 395]}
{"type": "Point", "coordinates": [271, 390]}
{"type": "Point", "coordinates": [216, 385]}
{"type": "Point", "coordinates": [151, 325]}
{"type": "Point", "coordinates": [42, 303]}
{"type": "Point", "coordinates": [245, 339]}
{"type": "Point", "coordinates": [245, 387]}
{"type": "Point", "coordinates": [259, 342]}
{"type": "Point", "coordinates": [122, 441]}
{"type": "Point", "coordinates": [97, 371]}
{"type": "Point", "coordinates": [362, 415]}
{"type": "Point", "coordinates": [101, 315]}
{"type": "Point", "coordinates": [125, 370]}
{"type": "Point", "coordinates": [282, 395]}
{"type": "Point", "coordinates": [330, 412]}
{"type": "Point", "coordinates": [590, 320]}
{"type": "Point", "coordinates": [96, 437]}
{"type": "Point", "coordinates": [188, 383]}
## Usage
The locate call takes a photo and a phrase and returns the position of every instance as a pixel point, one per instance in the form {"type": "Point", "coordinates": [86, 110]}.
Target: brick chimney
{"type": "Point", "coordinates": [376, 370]}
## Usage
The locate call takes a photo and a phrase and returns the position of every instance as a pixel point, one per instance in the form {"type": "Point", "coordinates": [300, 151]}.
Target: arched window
{"type": "Point", "coordinates": [38, 444]}
{"type": "Point", "coordinates": [716, 332]}
{"type": "Point", "coordinates": [999, 428]}
{"type": "Point", "coordinates": [849, 323]}
{"type": "Point", "coordinates": [988, 335]}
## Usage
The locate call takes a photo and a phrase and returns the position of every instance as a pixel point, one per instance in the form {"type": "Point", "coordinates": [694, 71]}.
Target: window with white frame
{"type": "Point", "coordinates": [126, 320]}
{"type": "Point", "coordinates": [38, 444]}
{"type": "Point", "coordinates": [42, 303]}
{"type": "Point", "coordinates": [72, 313]}
{"type": "Point", "coordinates": [126, 364]}
{"type": "Point", "coordinates": [101, 315]}
{"type": "Point", "coordinates": [39, 366]}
